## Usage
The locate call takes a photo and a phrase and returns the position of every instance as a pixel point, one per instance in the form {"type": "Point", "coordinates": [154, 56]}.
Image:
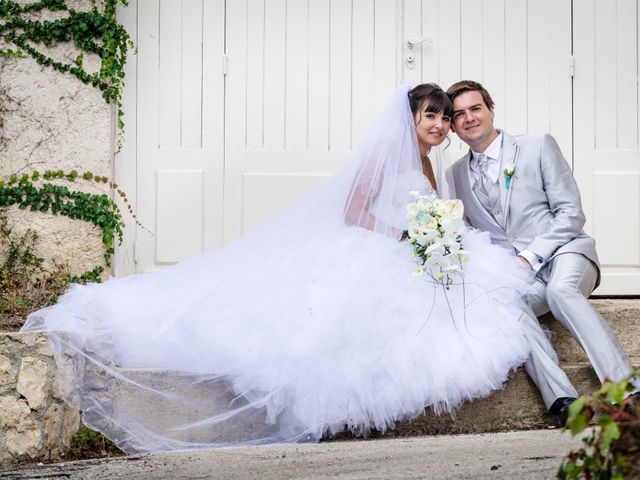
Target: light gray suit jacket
{"type": "Point", "coordinates": [543, 211]}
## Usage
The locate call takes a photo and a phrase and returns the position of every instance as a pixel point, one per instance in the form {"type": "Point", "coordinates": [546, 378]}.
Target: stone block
{"type": "Point", "coordinates": [14, 411]}
{"type": "Point", "coordinates": [25, 441]}
{"type": "Point", "coordinates": [70, 425]}
{"type": "Point", "coordinates": [34, 425]}
{"type": "Point", "coordinates": [8, 372]}
{"type": "Point", "coordinates": [33, 381]}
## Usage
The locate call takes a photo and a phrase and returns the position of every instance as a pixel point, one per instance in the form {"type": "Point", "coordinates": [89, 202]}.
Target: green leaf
{"type": "Point", "coordinates": [576, 407]}
{"type": "Point", "coordinates": [610, 432]}
{"type": "Point", "coordinates": [577, 423]}
{"type": "Point", "coordinates": [615, 392]}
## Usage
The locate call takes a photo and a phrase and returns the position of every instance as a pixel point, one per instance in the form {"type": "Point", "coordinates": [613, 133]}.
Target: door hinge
{"type": "Point", "coordinates": [225, 64]}
{"type": "Point", "coordinates": [572, 66]}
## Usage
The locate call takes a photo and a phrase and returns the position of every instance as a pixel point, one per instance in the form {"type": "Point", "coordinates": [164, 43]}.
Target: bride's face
{"type": "Point", "coordinates": [431, 127]}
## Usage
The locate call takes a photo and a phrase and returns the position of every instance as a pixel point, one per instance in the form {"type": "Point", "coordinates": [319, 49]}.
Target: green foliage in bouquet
{"type": "Point", "coordinates": [611, 450]}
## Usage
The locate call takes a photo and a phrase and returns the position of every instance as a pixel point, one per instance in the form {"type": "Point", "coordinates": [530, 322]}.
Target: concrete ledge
{"type": "Point", "coordinates": [517, 407]}
{"type": "Point", "coordinates": [36, 425]}
{"type": "Point", "coordinates": [622, 315]}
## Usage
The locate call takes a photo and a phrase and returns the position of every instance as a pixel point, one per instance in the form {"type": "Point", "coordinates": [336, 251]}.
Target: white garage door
{"type": "Point", "coordinates": [242, 106]}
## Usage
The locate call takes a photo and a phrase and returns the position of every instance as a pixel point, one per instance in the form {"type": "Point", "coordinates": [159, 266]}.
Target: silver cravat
{"type": "Point", "coordinates": [487, 191]}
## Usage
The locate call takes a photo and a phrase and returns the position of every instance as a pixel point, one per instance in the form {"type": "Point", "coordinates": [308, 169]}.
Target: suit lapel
{"type": "Point", "coordinates": [509, 156]}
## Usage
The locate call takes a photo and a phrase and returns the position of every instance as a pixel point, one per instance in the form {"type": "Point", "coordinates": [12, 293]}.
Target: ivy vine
{"type": "Point", "coordinates": [26, 31]}
{"type": "Point", "coordinates": [30, 191]}
{"type": "Point", "coordinates": [93, 32]}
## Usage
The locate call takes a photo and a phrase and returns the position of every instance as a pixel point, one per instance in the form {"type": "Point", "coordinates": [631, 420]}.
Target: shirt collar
{"type": "Point", "coordinates": [492, 151]}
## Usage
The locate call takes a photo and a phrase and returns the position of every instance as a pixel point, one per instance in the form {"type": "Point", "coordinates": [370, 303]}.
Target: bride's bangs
{"type": "Point", "coordinates": [436, 100]}
{"type": "Point", "coordinates": [439, 103]}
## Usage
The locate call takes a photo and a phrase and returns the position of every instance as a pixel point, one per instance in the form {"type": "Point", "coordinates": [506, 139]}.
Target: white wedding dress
{"type": "Point", "coordinates": [305, 326]}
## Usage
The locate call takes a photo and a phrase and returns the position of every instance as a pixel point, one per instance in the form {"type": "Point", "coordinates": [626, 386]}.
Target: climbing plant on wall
{"type": "Point", "coordinates": [93, 32]}
{"type": "Point", "coordinates": [32, 30]}
{"type": "Point", "coordinates": [98, 209]}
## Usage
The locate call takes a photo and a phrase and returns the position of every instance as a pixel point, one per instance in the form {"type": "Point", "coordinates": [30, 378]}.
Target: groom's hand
{"type": "Point", "coordinates": [525, 263]}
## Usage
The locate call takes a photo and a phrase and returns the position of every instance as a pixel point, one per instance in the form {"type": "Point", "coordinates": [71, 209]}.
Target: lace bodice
{"type": "Point", "coordinates": [427, 188]}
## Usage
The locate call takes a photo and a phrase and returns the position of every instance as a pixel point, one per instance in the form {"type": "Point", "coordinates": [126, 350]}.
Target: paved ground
{"type": "Point", "coordinates": [524, 455]}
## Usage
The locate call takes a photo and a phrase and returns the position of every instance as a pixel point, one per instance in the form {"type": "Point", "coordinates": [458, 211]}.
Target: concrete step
{"type": "Point", "coordinates": [622, 314]}
{"type": "Point", "coordinates": [518, 406]}
{"type": "Point", "coordinates": [208, 399]}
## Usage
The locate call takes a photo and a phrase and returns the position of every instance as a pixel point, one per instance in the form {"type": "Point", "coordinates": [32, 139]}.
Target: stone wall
{"type": "Point", "coordinates": [35, 424]}
{"type": "Point", "coordinates": [50, 120]}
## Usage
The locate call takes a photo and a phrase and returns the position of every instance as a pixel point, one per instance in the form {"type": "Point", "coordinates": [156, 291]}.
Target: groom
{"type": "Point", "coordinates": [521, 190]}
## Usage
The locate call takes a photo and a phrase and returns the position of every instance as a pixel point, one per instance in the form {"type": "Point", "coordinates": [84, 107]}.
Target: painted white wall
{"type": "Point", "coordinates": [217, 152]}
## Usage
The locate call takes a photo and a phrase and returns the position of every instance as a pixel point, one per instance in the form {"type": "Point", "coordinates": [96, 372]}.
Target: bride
{"type": "Point", "coordinates": [310, 324]}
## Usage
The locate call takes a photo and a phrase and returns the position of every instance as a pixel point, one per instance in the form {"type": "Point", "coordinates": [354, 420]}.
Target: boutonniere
{"type": "Point", "coordinates": [508, 171]}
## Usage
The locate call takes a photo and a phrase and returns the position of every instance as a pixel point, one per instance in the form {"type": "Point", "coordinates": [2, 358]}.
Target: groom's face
{"type": "Point", "coordinates": [473, 120]}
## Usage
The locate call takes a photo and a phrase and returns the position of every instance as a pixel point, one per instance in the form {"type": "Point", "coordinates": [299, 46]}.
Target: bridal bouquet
{"type": "Point", "coordinates": [435, 231]}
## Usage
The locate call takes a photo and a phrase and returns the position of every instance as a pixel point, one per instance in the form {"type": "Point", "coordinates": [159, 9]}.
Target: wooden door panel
{"type": "Point", "coordinates": [607, 157]}
{"type": "Point", "coordinates": [304, 82]}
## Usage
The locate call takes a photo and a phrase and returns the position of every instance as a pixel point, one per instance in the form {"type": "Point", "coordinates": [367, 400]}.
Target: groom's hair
{"type": "Point", "coordinates": [463, 86]}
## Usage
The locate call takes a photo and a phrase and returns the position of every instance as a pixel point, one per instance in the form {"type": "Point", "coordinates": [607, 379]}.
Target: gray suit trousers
{"type": "Point", "coordinates": [562, 286]}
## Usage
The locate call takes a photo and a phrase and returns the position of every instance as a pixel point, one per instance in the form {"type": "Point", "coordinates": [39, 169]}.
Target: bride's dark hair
{"type": "Point", "coordinates": [437, 100]}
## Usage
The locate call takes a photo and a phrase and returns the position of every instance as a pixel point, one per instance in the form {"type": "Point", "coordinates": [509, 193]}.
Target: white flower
{"type": "Point", "coordinates": [456, 209]}
{"type": "Point", "coordinates": [412, 210]}
{"type": "Point", "coordinates": [453, 269]}
{"type": "Point", "coordinates": [463, 256]}
{"type": "Point", "coordinates": [438, 261]}
{"type": "Point", "coordinates": [435, 248]}
{"type": "Point", "coordinates": [454, 247]}
{"type": "Point", "coordinates": [509, 169]}
{"type": "Point", "coordinates": [453, 225]}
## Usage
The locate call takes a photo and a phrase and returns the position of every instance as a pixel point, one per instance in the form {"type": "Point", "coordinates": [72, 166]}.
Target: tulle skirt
{"type": "Point", "coordinates": [235, 348]}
